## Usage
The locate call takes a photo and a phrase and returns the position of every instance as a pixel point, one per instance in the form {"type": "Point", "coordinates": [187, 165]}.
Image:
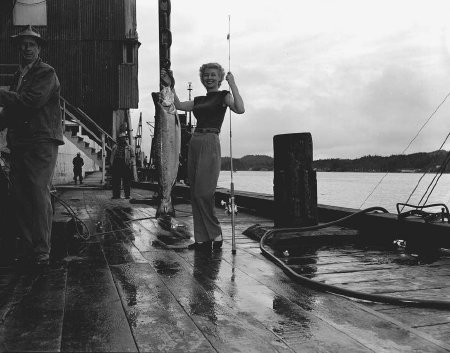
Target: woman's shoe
{"type": "Point", "coordinates": [206, 245]}
{"type": "Point", "coordinates": [216, 245]}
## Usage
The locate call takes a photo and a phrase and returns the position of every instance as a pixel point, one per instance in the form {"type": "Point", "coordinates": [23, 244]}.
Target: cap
{"type": "Point", "coordinates": [29, 32]}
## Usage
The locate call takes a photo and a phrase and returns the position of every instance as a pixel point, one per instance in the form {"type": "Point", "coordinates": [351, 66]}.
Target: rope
{"type": "Point", "coordinates": [378, 298]}
{"type": "Point", "coordinates": [409, 144]}
{"type": "Point", "coordinates": [423, 126]}
{"type": "Point", "coordinates": [75, 218]}
{"type": "Point", "coordinates": [376, 186]}
{"type": "Point", "coordinates": [442, 170]}
{"type": "Point", "coordinates": [426, 172]}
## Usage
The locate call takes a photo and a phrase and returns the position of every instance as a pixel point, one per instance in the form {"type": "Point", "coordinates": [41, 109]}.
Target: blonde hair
{"type": "Point", "coordinates": [214, 66]}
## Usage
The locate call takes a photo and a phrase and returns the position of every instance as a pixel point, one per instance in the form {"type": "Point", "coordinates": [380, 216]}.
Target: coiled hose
{"type": "Point", "coordinates": [379, 298]}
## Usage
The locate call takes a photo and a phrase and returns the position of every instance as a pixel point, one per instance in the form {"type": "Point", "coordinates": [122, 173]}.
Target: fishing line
{"type": "Point", "coordinates": [434, 181]}
{"type": "Point", "coordinates": [409, 144]}
{"type": "Point", "coordinates": [440, 172]}
{"type": "Point", "coordinates": [423, 175]}
{"type": "Point", "coordinates": [233, 235]}
{"type": "Point", "coordinates": [426, 172]}
{"type": "Point", "coordinates": [426, 122]}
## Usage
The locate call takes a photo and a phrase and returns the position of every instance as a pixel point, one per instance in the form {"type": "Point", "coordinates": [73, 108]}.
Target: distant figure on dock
{"type": "Point", "coordinates": [122, 161]}
{"type": "Point", "coordinates": [32, 115]}
{"type": "Point", "coordinates": [78, 168]}
{"type": "Point", "coordinates": [204, 155]}
{"type": "Point", "coordinates": [146, 169]}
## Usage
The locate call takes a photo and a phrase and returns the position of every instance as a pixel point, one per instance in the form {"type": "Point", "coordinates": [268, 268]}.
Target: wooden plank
{"type": "Point", "coordinates": [221, 283]}
{"type": "Point", "coordinates": [439, 331]}
{"type": "Point", "coordinates": [94, 318]}
{"type": "Point", "coordinates": [428, 293]}
{"type": "Point", "coordinates": [229, 318]}
{"type": "Point", "coordinates": [417, 317]}
{"type": "Point", "coordinates": [342, 314]}
{"type": "Point", "coordinates": [400, 285]}
{"type": "Point", "coordinates": [314, 270]}
{"type": "Point", "coordinates": [380, 275]}
{"type": "Point", "coordinates": [159, 323]}
{"type": "Point", "coordinates": [35, 320]}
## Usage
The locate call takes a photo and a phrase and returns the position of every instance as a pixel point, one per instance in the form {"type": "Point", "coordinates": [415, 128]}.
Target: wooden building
{"type": "Point", "coordinates": [92, 44]}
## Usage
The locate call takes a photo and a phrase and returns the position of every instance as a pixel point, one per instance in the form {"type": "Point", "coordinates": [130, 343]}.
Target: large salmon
{"type": "Point", "coordinates": [167, 135]}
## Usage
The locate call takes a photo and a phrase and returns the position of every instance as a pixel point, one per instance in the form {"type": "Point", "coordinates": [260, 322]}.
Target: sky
{"type": "Point", "coordinates": [361, 76]}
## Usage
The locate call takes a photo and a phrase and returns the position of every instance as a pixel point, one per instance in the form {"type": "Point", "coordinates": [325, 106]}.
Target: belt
{"type": "Point", "coordinates": [207, 130]}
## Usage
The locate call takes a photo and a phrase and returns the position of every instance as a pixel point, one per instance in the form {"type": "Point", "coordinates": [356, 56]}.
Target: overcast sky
{"type": "Point", "coordinates": [361, 76]}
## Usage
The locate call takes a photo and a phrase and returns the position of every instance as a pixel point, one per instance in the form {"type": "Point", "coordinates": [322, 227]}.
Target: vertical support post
{"type": "Point", "coordinates": [64, 116]}
{"type": "Point", "coordinates": [295, 184]}
{"type": "Point", "coordinates": [132, 144]}
{"type": "Point", "coordinates": [165, 35]}
{"type": "Point", "coordinates": [115, 124]}
{"type": "Point", "coordinates": [103, 158]}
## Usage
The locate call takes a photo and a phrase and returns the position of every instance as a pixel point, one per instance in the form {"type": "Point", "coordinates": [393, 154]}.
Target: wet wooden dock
{"type": "Point", "coordinates": [132, 286]}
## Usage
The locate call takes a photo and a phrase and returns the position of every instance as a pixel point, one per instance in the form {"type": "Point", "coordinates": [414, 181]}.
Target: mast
{"type": "Point", "coordinates": [165, 35]}
{"type": "Point", "coordinates": [138, 139]}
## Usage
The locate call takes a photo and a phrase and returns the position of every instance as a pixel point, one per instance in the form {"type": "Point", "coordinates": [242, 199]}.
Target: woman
{"type": "Point", "coordinates": [204, 155]}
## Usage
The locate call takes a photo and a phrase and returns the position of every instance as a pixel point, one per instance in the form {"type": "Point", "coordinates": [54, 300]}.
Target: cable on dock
{"type": "Point", "coordinates": [77, 221]}
{"type": "Point", "coordinates": [379, 298]}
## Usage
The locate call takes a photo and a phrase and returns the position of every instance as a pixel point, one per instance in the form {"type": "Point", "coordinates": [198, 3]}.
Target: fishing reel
{"type": "Point", "coordinates": [229, 207]}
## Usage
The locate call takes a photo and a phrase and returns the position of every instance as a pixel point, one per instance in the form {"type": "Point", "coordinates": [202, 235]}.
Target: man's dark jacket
{"type": "Point", "coordinates": [32, 111]}
{"type": "Point", "coordinates": [77, 163]}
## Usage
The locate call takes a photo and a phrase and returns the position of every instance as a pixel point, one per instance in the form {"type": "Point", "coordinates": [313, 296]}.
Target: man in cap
{"type": "Point", "coordinates": [32, 114]}
{"type": "Point", "coordinates": [122, 161]}
{"type": "Point", "coordinates": [78, 168]}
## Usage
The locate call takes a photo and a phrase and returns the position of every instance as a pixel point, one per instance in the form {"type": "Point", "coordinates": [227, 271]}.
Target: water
{"type": "Point", "coordinates": [351, 189]}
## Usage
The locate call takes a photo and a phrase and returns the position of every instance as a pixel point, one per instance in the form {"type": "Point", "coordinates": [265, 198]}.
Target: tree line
{"type": "Point", "coordinates": [415, 162]}
{"type": "Point", "coordinates": [249, 162]}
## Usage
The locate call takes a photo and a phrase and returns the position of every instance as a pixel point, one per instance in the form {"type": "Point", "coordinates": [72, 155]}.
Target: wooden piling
{"type": "Point", "coordinates": [295, 184]}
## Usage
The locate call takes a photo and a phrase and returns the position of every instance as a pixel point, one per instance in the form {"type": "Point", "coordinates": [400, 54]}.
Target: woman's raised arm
{"type": "Point", "coordinates": [235, 101]}
{"type": "Point", "coordinates": [186, 106]}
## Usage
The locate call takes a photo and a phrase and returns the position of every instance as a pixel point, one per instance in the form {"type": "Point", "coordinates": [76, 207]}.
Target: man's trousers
{"type": "Point", "coordinates": [32, 168]}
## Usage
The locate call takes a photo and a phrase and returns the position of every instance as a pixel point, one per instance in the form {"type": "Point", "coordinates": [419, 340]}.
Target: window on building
{"type": "Point", "coordinates": [128, 55]}
{"type": "Point", "coordinates": [30, 12]}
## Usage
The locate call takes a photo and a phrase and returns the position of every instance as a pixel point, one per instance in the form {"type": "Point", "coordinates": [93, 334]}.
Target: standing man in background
{"type": "Point", "coordinates": [122, 162]}
{"type": "Point", "coordinates": [78, 168]}
{"type": "Point", "coordinates": [33, 117]}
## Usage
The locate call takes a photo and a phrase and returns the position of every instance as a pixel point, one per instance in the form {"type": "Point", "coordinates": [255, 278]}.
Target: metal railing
{"type": "Point", "coordinates": [90, 128]}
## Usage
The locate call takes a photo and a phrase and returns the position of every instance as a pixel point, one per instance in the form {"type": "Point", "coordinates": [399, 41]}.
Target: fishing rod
{"type": "Point", "coordinates": [233, 233]}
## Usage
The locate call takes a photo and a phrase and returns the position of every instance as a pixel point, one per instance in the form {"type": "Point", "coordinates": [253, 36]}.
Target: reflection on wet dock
{"type": "Point", "coordinates": [133, 286]}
